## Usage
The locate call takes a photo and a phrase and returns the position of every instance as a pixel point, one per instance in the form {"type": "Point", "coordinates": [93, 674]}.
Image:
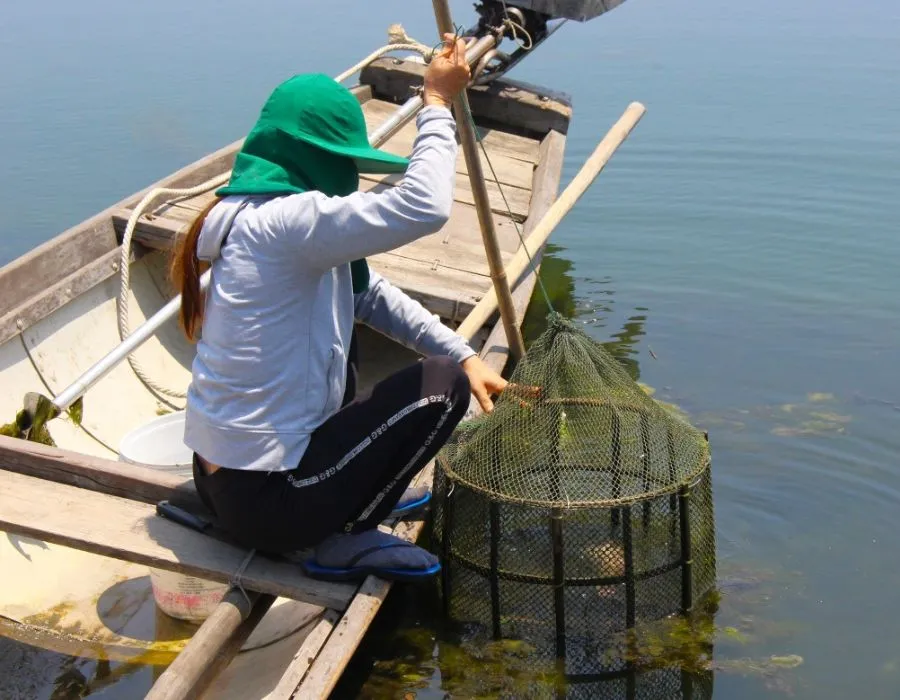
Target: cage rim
{"type": "Point", "coordinates": [672, 489]}
{"type": "Point", "coordinates": [442, 460]}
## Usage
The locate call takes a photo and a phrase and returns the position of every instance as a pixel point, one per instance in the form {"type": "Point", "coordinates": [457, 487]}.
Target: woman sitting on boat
{"type": "Point", "coordinates": [287, 456]}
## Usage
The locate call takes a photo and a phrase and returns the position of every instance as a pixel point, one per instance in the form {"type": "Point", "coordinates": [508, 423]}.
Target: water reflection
{"type": "Point", "coordinates": [593, 310]}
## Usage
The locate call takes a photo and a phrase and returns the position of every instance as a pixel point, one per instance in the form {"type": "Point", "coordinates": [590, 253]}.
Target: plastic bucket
{"type": "Point", "coordinates": [159, 444]}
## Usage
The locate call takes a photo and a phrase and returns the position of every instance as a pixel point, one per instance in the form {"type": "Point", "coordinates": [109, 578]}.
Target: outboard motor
{"type": "Point", "coordinates": [533, 20]}
{"type": "Point", "coordinates": [579, 10]}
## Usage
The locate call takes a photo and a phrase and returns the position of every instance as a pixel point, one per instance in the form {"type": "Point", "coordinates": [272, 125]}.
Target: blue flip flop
{"type": "Point", "coordinates": [357, 573]}
{"type": "Point", "coordinates": [411, 507]}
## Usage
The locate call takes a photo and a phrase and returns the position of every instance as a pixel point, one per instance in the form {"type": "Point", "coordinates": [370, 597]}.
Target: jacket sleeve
{"type": "Point", "coordinates": [331, 231]}
{"type": "Point", "coordinates": [389, 310]}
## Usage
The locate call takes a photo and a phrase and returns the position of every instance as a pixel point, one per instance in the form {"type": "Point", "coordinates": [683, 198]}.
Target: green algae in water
{"type": "Point", "coordinates": [802, 419]}
{"type": "Point", "coordinates": [728, 634]}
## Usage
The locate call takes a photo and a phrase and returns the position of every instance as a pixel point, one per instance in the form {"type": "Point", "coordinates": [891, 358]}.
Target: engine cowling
{"type": "Point", "coordinates": [579, 10]}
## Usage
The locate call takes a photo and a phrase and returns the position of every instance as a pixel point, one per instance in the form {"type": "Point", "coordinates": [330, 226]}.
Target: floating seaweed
{"type": "Point", "coordinates": [809, 418]}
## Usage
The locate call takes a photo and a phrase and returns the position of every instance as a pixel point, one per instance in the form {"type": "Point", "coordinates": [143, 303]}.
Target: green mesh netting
{"type": "Point", "coordinates": [575, 430]}
{"type": "Point", "coordinates": [577, 510]}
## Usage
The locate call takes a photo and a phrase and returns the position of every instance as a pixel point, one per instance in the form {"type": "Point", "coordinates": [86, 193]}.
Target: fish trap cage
{"type": "Point", "coordinates": [578, 509]}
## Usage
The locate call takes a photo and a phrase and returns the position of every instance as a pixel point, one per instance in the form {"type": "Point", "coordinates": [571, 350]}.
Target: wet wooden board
{"type": "Point", "coordinates": [107, 476]}
{"type": "Point", "coordinates": [131, 531]}
{"type": "Point", "coordinates": [501, 143]}
{"type": "Point", "coordinates": [449, 293]}
{"type": "Point", "coordinates": [509, 170]}
{"type": "Point", "coordinates": [511, 200]}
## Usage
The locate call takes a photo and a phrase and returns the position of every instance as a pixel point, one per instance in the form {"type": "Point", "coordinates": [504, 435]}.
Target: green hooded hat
{"type": "Point", "coordinates": [310, 135]}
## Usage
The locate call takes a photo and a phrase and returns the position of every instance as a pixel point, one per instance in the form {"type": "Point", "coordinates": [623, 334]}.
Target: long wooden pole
{"type": "Point", "coordinates": [469, 144]}
{"type": "Point", "coordinates": [212, 647]}
{"type": "Point", "coordinates": [589, 171]}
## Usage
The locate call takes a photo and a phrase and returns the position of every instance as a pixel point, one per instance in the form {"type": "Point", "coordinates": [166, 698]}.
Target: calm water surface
{"type": "Point", "coordinates": [746, 236]}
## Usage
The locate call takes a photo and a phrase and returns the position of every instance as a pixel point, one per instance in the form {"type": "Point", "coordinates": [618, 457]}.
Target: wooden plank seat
{"type": "Point", "coordinates": [132, 531]}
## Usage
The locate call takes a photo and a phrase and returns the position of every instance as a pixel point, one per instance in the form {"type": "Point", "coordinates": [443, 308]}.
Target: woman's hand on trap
{"type": "Point", "coordinates": [486, 383]}
{"type": "Point", "coordinates": [483, 381]}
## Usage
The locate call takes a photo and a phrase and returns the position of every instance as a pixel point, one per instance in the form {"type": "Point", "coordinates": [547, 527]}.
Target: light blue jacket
{"type": "Point", "coordinates": [271, 361]}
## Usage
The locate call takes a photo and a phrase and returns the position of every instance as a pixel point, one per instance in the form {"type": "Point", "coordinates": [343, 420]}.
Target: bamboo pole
{"type": "Point", "coordinates": [212, 647]}
{"type": "Point", "coordinates": [592, 167]}
{"type": "Point", "coordinates": [482, 202]}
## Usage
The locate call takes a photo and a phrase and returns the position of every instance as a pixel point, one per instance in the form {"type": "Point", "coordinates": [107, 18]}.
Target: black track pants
{"type": "Point", "coordinates": [356, 467]}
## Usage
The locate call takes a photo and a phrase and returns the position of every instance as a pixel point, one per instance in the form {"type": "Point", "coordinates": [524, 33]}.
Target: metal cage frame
{"type": "Point", "coordinates": [674, 504]}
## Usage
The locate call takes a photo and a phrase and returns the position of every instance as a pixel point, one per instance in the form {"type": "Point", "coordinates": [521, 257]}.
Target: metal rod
{"type": "Point", "coordinates": [517, 57]}
{"type": "Point", "coordinates": [670, 442]}
{"type": "Point", "coordinates": [647, 465]}
{"type": "Point", "coordinates": [406, 112]}
{"type": "Point", "coordinates": [687, 580]}
{"type": "Point", "coordinates": [628, 547]}
{"type": "Point", "coordinates": [616, 464]}
{"type": "Point", "coordinates": [447, 528]}
{"type": "Point", "coordinates": [495, 568]}
{"type": "Point", "coordinates": [468, 140]}
{"type": "Point", "coordinates": [559, 581]}
{"type": "Point", "coordinates": [141, 334]}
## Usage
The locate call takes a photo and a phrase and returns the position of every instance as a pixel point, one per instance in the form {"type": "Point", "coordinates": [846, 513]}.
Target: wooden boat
{"type": "Point", "coordinates": [69, 585]}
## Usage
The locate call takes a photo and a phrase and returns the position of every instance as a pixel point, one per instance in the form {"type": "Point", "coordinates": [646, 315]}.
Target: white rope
{"type": "Point", "coordinates": [125, 274]}
{"type": "Point", "coordinates": [426, 52]}
{"type": "Point", "coordinates": [513, 27]}
{"type": "Point", "coordinates": [400, 41]}
{"type": "Point", "coordinates": [236, 581]}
